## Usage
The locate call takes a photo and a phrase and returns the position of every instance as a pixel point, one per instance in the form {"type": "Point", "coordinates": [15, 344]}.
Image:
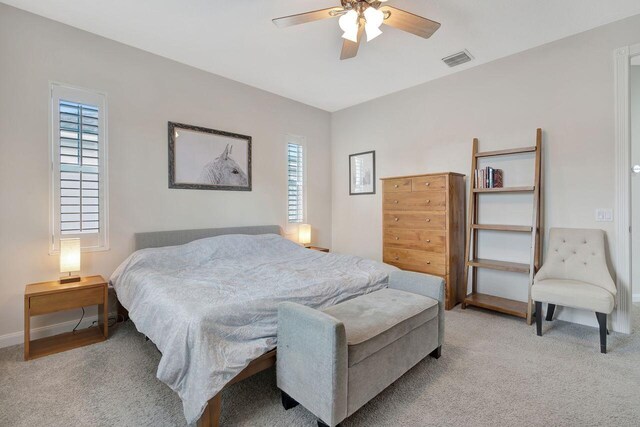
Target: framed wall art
{"type": "Point", "coordinates": [208, 159]}
{"type": "Point", "coordinates": [362, 173]}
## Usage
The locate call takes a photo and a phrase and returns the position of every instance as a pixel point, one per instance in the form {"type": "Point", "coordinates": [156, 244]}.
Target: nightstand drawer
{"type": "Point", "coordinates": [59, 301]}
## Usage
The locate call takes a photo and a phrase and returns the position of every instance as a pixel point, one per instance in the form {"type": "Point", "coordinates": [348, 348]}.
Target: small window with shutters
{"type": "Point", "coordinates": [79, 172]}
{"type": "Point", "coordinates": [296, 179]}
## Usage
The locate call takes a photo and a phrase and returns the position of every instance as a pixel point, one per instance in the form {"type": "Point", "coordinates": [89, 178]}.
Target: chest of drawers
{"type": "Point", "coordinates": [423, 227]}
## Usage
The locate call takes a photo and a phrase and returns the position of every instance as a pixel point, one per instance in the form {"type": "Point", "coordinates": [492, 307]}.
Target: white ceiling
{"type": "Point", "coordinates": [236, 39]}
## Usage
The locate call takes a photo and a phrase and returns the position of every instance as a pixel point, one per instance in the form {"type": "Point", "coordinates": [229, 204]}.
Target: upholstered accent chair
{"type": "Point", "coordinates": [575, 274]}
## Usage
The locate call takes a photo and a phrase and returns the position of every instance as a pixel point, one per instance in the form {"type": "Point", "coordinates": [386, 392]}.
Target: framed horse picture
{"type": "Point", "coordinates": [208, 159]}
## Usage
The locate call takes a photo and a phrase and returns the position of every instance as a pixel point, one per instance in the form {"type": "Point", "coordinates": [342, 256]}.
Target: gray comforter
{"type": "Point", "coordinates": [211, 305]}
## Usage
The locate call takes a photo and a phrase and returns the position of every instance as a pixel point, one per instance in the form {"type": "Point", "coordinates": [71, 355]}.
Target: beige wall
{"type": "Point", "coordinates": [144, 92]}
{"type": "Point", "coordinates": [565, 87]}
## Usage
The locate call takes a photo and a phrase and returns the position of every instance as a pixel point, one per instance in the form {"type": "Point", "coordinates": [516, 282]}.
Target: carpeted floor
{"type": "Point", "coordinates": [493, 371]}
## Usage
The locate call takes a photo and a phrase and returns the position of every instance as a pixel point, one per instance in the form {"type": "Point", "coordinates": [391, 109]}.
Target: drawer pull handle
{"type": "Point", "coordinates": [428, 262]}
{"type": "Point", "coordinates": [395, 219]}
{"type": "Point", "coordinates": [395, 185]}
{"type": "Point", "coordinates": [396, 258]}
{"type": "Point", "coordinates": [395, 201]}
{"type": "Point", "coordinates": [428, 219]}
{"type": "Point", "coordinates": [397, 238]}
{"type": "Point", "coordinates": [428, 201]}
{"type": "Point", "coordinates": [428, 240]}
{"type": "Point", "coordinates": [426, 183]}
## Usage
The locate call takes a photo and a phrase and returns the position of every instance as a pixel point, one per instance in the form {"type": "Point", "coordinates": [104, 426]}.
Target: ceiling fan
{"type": "Point", "coordinates": [358, 16]}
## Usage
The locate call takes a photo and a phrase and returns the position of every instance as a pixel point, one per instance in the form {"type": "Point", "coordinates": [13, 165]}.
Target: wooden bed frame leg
{"type": "Point", "coordinates": [211, 415]}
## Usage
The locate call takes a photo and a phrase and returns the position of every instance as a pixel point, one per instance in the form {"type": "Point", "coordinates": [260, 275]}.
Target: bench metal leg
{"type": "Point", "coordinates": [550, 309]}
{"type": "Point", "coordinates": [287, 401]}
{"type": "Point", "coordinates": [322, 424]}
{"type": "Point", "coordinates": [436, 353]}
{"type": "Point", "coordinates": [602, 321]}
{"type": "Point", "coordinates": [539, 318]}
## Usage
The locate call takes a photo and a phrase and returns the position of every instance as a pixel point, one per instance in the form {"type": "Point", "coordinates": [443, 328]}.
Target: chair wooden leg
{"type": "Point", "coordinates": [551, 308]}
{"type": "Point", "coordinates": [602, 321]}
{"type": "Point", "coordinates": [539, 318]}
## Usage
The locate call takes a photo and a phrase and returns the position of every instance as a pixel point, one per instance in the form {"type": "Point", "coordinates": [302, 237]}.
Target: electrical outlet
{"type": "Point", "coordinates": [604, 215]}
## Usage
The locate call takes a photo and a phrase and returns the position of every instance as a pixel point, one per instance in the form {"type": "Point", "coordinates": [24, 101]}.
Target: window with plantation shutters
{"type": "Point", "coordinates": [296, 180]}
{"type": "Point", "coordinates": [79, 170]}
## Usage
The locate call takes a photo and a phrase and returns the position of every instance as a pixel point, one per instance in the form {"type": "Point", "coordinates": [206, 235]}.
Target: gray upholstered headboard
{"type": "Point", "coordinates": [156, 239]}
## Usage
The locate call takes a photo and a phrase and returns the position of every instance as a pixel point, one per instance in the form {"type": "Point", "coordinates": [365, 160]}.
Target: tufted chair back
{"type": "Point", "coordinates": [577, 254]}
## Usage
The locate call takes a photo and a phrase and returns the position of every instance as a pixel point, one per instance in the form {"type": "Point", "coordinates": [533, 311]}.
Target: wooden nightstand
{"type": "Point", "coordinates": [50, 297]}
{"type": "Point", "coordinates": [317, 248]}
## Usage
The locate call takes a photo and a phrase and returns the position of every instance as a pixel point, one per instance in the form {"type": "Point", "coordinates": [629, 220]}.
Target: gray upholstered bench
{"type": "Point", "coordinates": [333, 361]}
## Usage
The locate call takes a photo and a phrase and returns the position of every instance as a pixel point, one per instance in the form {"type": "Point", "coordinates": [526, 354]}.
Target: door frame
{"type": "Point", "coordinates": [622, 320]}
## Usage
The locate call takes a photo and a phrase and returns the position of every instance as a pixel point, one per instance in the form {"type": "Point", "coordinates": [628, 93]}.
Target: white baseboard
{"type": "Point", "coordinates": [45, 331]}
{"type": "Point", "coordinates": [636, 297]}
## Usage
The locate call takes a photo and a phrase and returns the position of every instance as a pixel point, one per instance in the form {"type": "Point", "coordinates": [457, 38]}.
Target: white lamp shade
{"type": "Point", "coordinates": [304, 234]}
{"type": "Point", "coordinates": [349, 21]}
{"type": "Point", "coordinates": [69, 255]}
{"type": "Point", "coordinates": [351, 35]}
{"type": "Point", "coordinates": [372, 32]}
{"type": "Point", "coordinates": [374, 17]}
{"type": "Point", "coordinates": [349, 24]}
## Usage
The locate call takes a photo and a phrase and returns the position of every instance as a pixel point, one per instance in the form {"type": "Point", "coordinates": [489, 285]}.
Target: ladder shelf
{"type": "Point", "coordinates": [501, 227]}
{"type": "Point", "coordinates": [506, 152]}
{"type": "Point", "coordinates": [501, 305]}
{"type": "Point", "coordinates": [514, 267]}
{"type": "Point", "coordinates": [505, 190]}
{"type": "Point", "coordinates": [492, 302]}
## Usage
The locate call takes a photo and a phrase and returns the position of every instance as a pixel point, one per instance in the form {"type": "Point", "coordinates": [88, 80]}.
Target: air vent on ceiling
{"type": "Point", "coordinates": [458, 58]}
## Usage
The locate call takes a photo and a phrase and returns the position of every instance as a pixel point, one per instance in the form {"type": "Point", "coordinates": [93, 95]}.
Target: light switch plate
{"type": "Point", "coordinates": [604, 215]}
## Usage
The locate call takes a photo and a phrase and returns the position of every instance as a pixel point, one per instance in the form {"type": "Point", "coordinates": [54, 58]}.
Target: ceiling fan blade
{"type": "Point", "coordinates": [303, 18]}
{"type": "Point", "coordinates": [409, 22]}
{"type": "Point", "coordinates": [349, 48]}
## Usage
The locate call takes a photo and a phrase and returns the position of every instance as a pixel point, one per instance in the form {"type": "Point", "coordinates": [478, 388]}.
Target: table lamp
{"type": "Point", "coordinates": [304, 234]}
{"type": "Point", "coordinates": [69, 260]}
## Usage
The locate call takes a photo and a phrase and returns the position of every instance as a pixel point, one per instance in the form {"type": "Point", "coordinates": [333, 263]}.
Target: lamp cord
{"type": "Point", "coordinates": [110, 319]}
{"type": "Point", "coordinates": [78, 324]}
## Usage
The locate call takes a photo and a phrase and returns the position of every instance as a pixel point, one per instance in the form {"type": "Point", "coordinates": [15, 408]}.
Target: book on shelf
{"type": "Point", "coordinates": [488, 178]}
{"type": "Point", "coordinates": [497, 178]}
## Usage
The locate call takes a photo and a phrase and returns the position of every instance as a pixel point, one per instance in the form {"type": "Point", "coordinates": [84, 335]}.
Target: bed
{"type": "Point", "coordinates": [208, 300]}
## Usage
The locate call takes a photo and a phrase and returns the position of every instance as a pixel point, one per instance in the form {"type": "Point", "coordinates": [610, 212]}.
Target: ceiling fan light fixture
{"type": "Point", "coordinates": [351, 35]}
{"type": "Point", "coordinates": [374, 16]}
{"type": "Point", "coordinates": [349, 21]}
{"type": "Point", "coordinates": [372, 32]}
{"type": "Point", "coordinates": [374, 19]}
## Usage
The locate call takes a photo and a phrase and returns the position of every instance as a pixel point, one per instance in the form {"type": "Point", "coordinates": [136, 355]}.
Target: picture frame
{"type": "Point", "coordinates": [362, 173]}
{"type": "Point", "coordinates": [208, 159]}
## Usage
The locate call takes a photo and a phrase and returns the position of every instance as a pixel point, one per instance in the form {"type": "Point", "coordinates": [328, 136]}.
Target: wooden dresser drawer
{"type": "Point", "coordinates": [409, 259]}
{"type": "Point", "coordinates": [426, 240]}
{"type": "Point", "coordinates": [426, 183]}
{"type": "Point", "coordinates": [397, 185]}
{"type": "Point", "coordinates": [59, 301]}
{"type": "Point", "coordinates": [418, 201]}
{"type": "Point", "coordinates": [419, 220]}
